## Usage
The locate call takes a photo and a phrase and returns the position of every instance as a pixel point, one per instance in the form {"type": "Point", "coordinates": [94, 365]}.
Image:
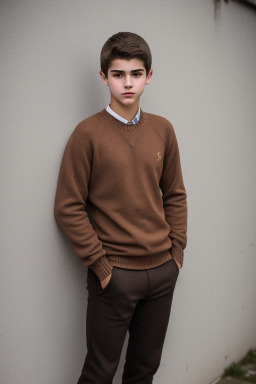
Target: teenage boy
{"type": "Point", "coordinates": [121, 202]}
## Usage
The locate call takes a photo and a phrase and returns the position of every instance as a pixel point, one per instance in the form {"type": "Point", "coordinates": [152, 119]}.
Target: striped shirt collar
{"type": "Point", "coordinates": [134, 121]}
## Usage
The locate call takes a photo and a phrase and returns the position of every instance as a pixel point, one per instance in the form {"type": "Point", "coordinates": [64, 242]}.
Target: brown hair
{"type": "Point", "coordinates": [125, 45]}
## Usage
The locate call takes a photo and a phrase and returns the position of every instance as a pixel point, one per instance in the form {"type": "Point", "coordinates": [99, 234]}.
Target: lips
{"type": "Point", "coordinates": [128, 94]}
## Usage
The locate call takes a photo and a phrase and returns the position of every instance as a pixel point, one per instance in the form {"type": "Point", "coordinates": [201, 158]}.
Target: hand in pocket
{"type": "Point", "coordinates": [105, 282]}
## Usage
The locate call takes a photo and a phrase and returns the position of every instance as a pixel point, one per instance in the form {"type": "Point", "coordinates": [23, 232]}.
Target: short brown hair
{"type": "Point", "coordinates": [125, 45]}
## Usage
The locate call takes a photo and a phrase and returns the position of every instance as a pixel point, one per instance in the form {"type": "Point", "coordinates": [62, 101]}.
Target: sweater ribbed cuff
{"type": "Point", "coordinates": [102, 268]}
{"type": "Point", "coordinates": [177, 254]}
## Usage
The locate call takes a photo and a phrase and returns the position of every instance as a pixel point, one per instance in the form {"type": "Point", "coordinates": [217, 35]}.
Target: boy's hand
{"type": "Point", "coordinates": [105, 282]}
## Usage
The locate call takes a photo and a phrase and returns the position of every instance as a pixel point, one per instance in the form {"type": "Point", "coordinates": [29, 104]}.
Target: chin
{"type": "Point", "coordinates": [129, 102]}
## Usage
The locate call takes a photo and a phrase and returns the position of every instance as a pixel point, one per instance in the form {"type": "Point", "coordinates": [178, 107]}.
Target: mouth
{"type": "Point", "coordinates": [128, 94]}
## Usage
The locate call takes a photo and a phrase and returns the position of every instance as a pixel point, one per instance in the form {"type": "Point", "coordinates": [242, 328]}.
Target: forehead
{"type": "Point", "coordinates": [126, 65]}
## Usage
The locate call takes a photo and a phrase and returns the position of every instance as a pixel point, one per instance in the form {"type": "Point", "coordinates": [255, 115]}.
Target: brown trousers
{"type": "Point", "coordinates": [135, 300]}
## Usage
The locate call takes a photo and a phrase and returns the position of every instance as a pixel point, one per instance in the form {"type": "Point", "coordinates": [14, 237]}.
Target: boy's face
{"type": "Point", "coordinates": [126, 80]}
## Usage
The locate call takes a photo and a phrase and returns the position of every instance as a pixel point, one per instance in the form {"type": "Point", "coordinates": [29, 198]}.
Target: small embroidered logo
{"type": "Point", "coordinates": [158, 156]}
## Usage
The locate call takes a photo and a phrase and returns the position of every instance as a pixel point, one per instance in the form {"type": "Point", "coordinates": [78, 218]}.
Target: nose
{"type": "Point", "coordinates": [128, 82]}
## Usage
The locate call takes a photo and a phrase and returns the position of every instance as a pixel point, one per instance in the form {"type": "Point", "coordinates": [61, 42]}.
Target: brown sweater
{"type": "Point", "coordinates": [120, 196]}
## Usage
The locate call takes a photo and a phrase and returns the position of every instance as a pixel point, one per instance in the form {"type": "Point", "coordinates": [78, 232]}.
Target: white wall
{"type": "Point", "coordinates": [205, 84]}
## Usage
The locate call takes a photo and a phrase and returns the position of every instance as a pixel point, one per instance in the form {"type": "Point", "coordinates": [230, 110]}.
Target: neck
{"type": "Point", "coordinates": [126, 111]}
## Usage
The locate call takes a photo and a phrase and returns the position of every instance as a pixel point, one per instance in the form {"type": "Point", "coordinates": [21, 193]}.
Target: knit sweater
{"type": "Point", "coordinates": [120, 197]}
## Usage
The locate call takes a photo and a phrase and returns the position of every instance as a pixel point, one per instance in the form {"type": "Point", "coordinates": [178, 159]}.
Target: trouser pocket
{"type": "Point", "coordinates": [94, 284]}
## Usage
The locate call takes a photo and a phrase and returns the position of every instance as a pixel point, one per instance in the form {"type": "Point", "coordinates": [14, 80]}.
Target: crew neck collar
{"type": "Point", "coordinates": [120, 118]}
{"type": "Point", "coordinates": [111, 119]}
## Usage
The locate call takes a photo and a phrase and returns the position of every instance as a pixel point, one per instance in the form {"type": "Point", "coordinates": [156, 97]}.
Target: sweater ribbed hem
{"type": "Point", "coordinates": [102, 268]}
{"type": "Point", "coordinates": [104, 265]}
{"type": "Point", "coordinates": [139, 262]}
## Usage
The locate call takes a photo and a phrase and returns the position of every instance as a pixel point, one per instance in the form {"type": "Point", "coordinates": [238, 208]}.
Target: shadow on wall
{"type": "Point", "coordinates": [217, 9]}
{"type": "Point", "coordinates": [217, 3]}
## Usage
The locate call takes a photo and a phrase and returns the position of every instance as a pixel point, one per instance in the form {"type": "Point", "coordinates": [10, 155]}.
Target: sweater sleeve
{"type": "Point", "coordinates": [70, 204]}
{"type": "Point", "coordinates": [174, 198]}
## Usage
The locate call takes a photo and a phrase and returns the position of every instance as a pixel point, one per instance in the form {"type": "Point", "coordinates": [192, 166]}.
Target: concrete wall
{"type": "Point", "coordinates": [205, 84]}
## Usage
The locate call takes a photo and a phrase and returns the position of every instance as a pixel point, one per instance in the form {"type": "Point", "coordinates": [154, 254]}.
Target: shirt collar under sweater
{"type": "Point", "coordinates": [132, 128]}
{"type": "Point", "coordinates": [120, 118]}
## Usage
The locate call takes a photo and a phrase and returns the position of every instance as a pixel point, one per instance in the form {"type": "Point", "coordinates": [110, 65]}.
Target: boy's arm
{"type": "Point", "coordinates": [69, 209]}
{"type": "Point", "coordinates": [174, 199]}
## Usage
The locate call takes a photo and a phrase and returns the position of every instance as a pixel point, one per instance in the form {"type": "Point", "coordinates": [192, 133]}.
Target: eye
{"type": "Point", "coordinates": [137, 74]}
{"type": "Point", "coordinates": [117, 75]}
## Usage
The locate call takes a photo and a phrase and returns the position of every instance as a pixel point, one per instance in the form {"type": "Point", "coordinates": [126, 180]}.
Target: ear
{"type": "Point", "coordinates": [103, 78]}
{"type": "Point", "coordinates": [149, 76]}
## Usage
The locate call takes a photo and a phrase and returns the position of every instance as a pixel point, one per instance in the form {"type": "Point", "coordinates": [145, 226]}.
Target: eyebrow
{"type": "Point", "coordinates": [134, 70]}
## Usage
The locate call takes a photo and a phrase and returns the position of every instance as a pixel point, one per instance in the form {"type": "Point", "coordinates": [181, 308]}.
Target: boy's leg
{"type": "Point", "coordinates": [138, 300]}
{"type": "Point", "coordinates": [149, 325]}
{"type": "Point", "coordinates": [105, 331]}
{"type": "Point", "coordinates": [109, 313]}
